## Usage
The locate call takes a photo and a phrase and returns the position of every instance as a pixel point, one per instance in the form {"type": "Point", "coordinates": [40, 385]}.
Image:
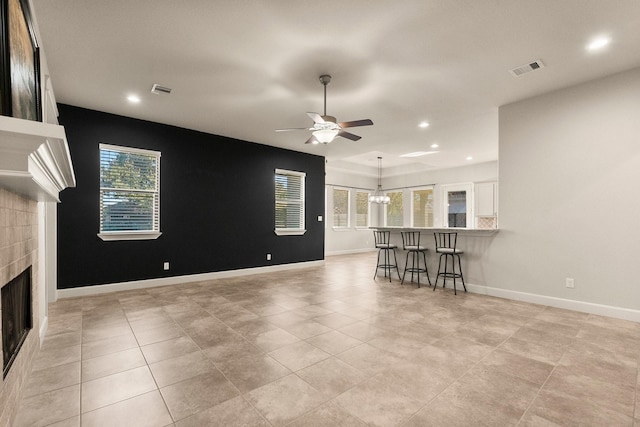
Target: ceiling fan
{"type": "Point", "coordinates": [326, 128]}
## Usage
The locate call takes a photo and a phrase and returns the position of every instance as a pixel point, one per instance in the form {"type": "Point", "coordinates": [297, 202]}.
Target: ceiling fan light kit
{"type": "Point", "coordinates": [326, 128]}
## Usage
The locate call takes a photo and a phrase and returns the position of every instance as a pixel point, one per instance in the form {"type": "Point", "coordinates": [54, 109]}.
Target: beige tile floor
{"type": "Point", "coordinates": [328, 346]}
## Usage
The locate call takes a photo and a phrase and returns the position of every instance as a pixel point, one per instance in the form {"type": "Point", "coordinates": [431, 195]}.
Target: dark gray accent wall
{"type": "Point", "coordinates": [216, 204]}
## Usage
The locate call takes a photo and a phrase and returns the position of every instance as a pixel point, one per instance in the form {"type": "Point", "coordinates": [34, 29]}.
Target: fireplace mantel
{"type": "Point", "coordinates": [34, 159]}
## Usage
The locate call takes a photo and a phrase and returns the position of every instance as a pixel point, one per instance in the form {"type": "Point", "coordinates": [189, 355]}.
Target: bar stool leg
{"type": "Point", "coordinates": [461, 276]}
{"type": "Point", "coordinates": [426, 269]}
{"type": "Point", "coordinates": [416, 257]}
{"type": "Point", "coordinates": [435, 285]}
{"type": "Point", "coordinates": [453, 268]}
{"type": "Point", "coordinates": [406, 263]}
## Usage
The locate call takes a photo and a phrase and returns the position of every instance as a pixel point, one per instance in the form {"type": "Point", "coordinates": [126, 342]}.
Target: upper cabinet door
{"type": "Point", "coordinates": [486, 198]}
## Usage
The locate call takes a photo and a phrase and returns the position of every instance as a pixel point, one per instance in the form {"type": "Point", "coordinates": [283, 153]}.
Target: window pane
{"type": "Point", "coordinates": [126, 211]}
{"type": "Point", "coordinates": [340, 208]}
{"type": "Point", "coordinates": [127, 170]}
{"type": "Point", "coordinates": [288, 187]}
{"type": "Point", "coordinates": [457, 208]}
{"type": "Point", "coordinates": [288, 215]}
{"type": "Point", "coordinates": [422, 205]}
{"type": "Point", "coordinates": [362, 209]}
{"type": "Point", "coordinates": [394, 209]}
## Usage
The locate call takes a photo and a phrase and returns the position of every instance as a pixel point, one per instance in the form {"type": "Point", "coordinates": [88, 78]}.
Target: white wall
{"type": "Point", "coordinates": [348, 240]}
{"type": "Point", "coordinates": [569, 169]}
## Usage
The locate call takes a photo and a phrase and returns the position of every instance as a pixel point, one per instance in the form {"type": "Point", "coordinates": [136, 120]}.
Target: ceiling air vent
{"type": "Point", "coordinates": [523, 69]}
{"type": "Point", "coordinates": [157, 89]}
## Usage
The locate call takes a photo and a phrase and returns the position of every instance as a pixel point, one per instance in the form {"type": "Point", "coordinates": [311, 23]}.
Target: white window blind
{"type": "Point", "coordinates": [362, 209]}
{"type": "Point", "coordinates": [129, 191]}
{"type": "Point", "coordinates": [289, 202]}
{"type": "Point", "coordinates": [422, 207]}
{"type": "Point", "coordinates": [340, 208]}
{"type": "Point", "coordinates": [394, 210]}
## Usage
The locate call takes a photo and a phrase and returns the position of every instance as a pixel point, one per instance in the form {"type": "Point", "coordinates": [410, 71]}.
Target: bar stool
{"type": "Point", "coordinates": [446, 247]}
{"type": "Point", "coordinates": [384, 245]}
{"type": "Point", "coordinates": [411, 244]}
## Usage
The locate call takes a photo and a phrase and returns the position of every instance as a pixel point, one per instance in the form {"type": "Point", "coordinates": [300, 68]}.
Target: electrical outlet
{"type": "Point", "coordinates": [166, 265]}
{"type": "Point", "coordinates": [268, 257]}
{"type": "Point", "coordinates": [569, 282]}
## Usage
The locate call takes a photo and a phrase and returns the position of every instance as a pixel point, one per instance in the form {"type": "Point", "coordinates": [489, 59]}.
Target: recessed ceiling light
{"type": "Point", "coordinates": [134, 99]}
{"type": "Point", "coordinates": [598, 43]}
{"type": "Point", "coordinates": [434, 145]}
{"type": "Point", "coordinates": [469, 158]}
{"type": "Point", "coordinates": [418, 153]}
{"type": "Point", "coordinates": [424, 125]}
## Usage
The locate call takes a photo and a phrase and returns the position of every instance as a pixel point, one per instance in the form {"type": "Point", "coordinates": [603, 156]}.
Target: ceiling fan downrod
{"type": "Point", "coordinates": [325, 79]}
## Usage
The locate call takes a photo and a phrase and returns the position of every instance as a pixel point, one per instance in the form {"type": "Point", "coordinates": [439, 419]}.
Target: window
{"type": "Point", "coordinates": [129, 193]}
{"type": "Point", "coordinates": [422, 207]}
{"type": "Point", "coordinates": [289, 192]}
{"type": "Point", "coordinates": [340, 208]}
{"type": "Point", "coordinates": [458, 208]}
{"type": "Point", "coordinates": [394, 211]}
{"type": "Point", "coordinates": [362, 209]}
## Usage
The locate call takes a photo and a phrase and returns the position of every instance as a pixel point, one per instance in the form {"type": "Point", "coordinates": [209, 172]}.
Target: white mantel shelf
{"type": "Point", "coordinates": [34, 159]}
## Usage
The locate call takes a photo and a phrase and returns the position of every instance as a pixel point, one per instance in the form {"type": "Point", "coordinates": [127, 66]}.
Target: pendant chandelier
{"type": "Point", "coordinates": [378, 196]}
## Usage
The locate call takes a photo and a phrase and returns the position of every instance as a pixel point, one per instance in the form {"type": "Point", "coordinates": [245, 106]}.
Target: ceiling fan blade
{"type": "Point", "coordinates": [317, 118]}
{"type": "Point", "coordinates": [288, 129]}
{"type": "Point", "coordinates": [348, 135]}
{"type": "Point", "coordinates": [312, 140]}
{"type": "Point", "coordinates": [365, 122]}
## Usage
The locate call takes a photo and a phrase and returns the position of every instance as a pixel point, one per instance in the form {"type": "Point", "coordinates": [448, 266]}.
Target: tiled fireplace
{"type": "Point", "coordinates": [18, 251]}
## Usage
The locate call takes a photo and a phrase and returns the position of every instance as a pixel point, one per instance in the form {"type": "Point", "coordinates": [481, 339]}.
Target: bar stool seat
{"type": "Point", "coordinates": [385, 247]}
{"type": "Point", "coordinates": [446, 246]}
{"type": "Point", "coordinates": [411, 244]}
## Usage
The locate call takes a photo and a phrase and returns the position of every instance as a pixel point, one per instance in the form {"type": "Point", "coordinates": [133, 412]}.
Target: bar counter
{"type": "Point", "coordinates": [430, 230]}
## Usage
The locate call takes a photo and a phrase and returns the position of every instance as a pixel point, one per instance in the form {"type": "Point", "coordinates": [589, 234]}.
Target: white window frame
{"type": "Point", "coordinates": [386, 208]}
{"type": "Point", "coordinates": [429, 187]}
{"type": "Point", "coordinates": [468, 188]}
{"type": "Point", "coordinates": [362, 227]}
{"type": "Point", "coordinates": [301, 201]}
{"type": "Point", "coordinates": [141, 234]}
{"type": "Point", "coordinates": [333, 201]}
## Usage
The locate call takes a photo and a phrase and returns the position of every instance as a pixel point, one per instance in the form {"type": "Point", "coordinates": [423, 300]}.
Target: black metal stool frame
{"type": "Point", "coordinates": [446, 246]}
{"type": "Point", "coordinates": [411, 244]}
{"type": "Point", "coordinates": [383, 243]}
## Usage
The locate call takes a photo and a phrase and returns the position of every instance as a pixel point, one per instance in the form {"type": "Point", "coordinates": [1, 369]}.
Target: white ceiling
{"type": "Point", "coordinates": [244, 68]}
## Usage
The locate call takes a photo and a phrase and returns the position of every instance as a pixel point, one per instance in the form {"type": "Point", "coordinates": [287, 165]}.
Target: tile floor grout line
{"type": "Point", "coordinates": [149, 368]}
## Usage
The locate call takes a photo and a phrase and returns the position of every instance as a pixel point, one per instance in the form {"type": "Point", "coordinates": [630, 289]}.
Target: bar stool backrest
{"type": "Point", "coordinates": [382, 238]}
{"type": "Point", "coordinates": [410, 239]}
{"type": "Point", "coordinates": [446, 240]}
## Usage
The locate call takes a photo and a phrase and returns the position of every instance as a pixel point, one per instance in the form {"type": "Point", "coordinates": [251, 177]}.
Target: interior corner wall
{"type": "Point", "coordinates": [569, 164]}
{"type": "Point", "coordinates": [217, 209]}
{"type": "Point", "coordinates": [348, 240]}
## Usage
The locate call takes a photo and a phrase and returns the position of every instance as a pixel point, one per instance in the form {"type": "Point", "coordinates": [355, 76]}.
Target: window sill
{"type": "Point", "coordinates": [281, 232]}
{"type": "Point", "coordinates": [341, 228]}
{"type": "Point", "coordinates": [129, 235]}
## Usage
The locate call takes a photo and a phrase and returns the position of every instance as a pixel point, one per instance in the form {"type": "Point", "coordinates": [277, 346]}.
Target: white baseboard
{"type": "Point", "coordinates": [585, 307]}
{"type": "Point", "coordinates": [176, 280]}
{"type": "Point", "coordinates": [350, 251]}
